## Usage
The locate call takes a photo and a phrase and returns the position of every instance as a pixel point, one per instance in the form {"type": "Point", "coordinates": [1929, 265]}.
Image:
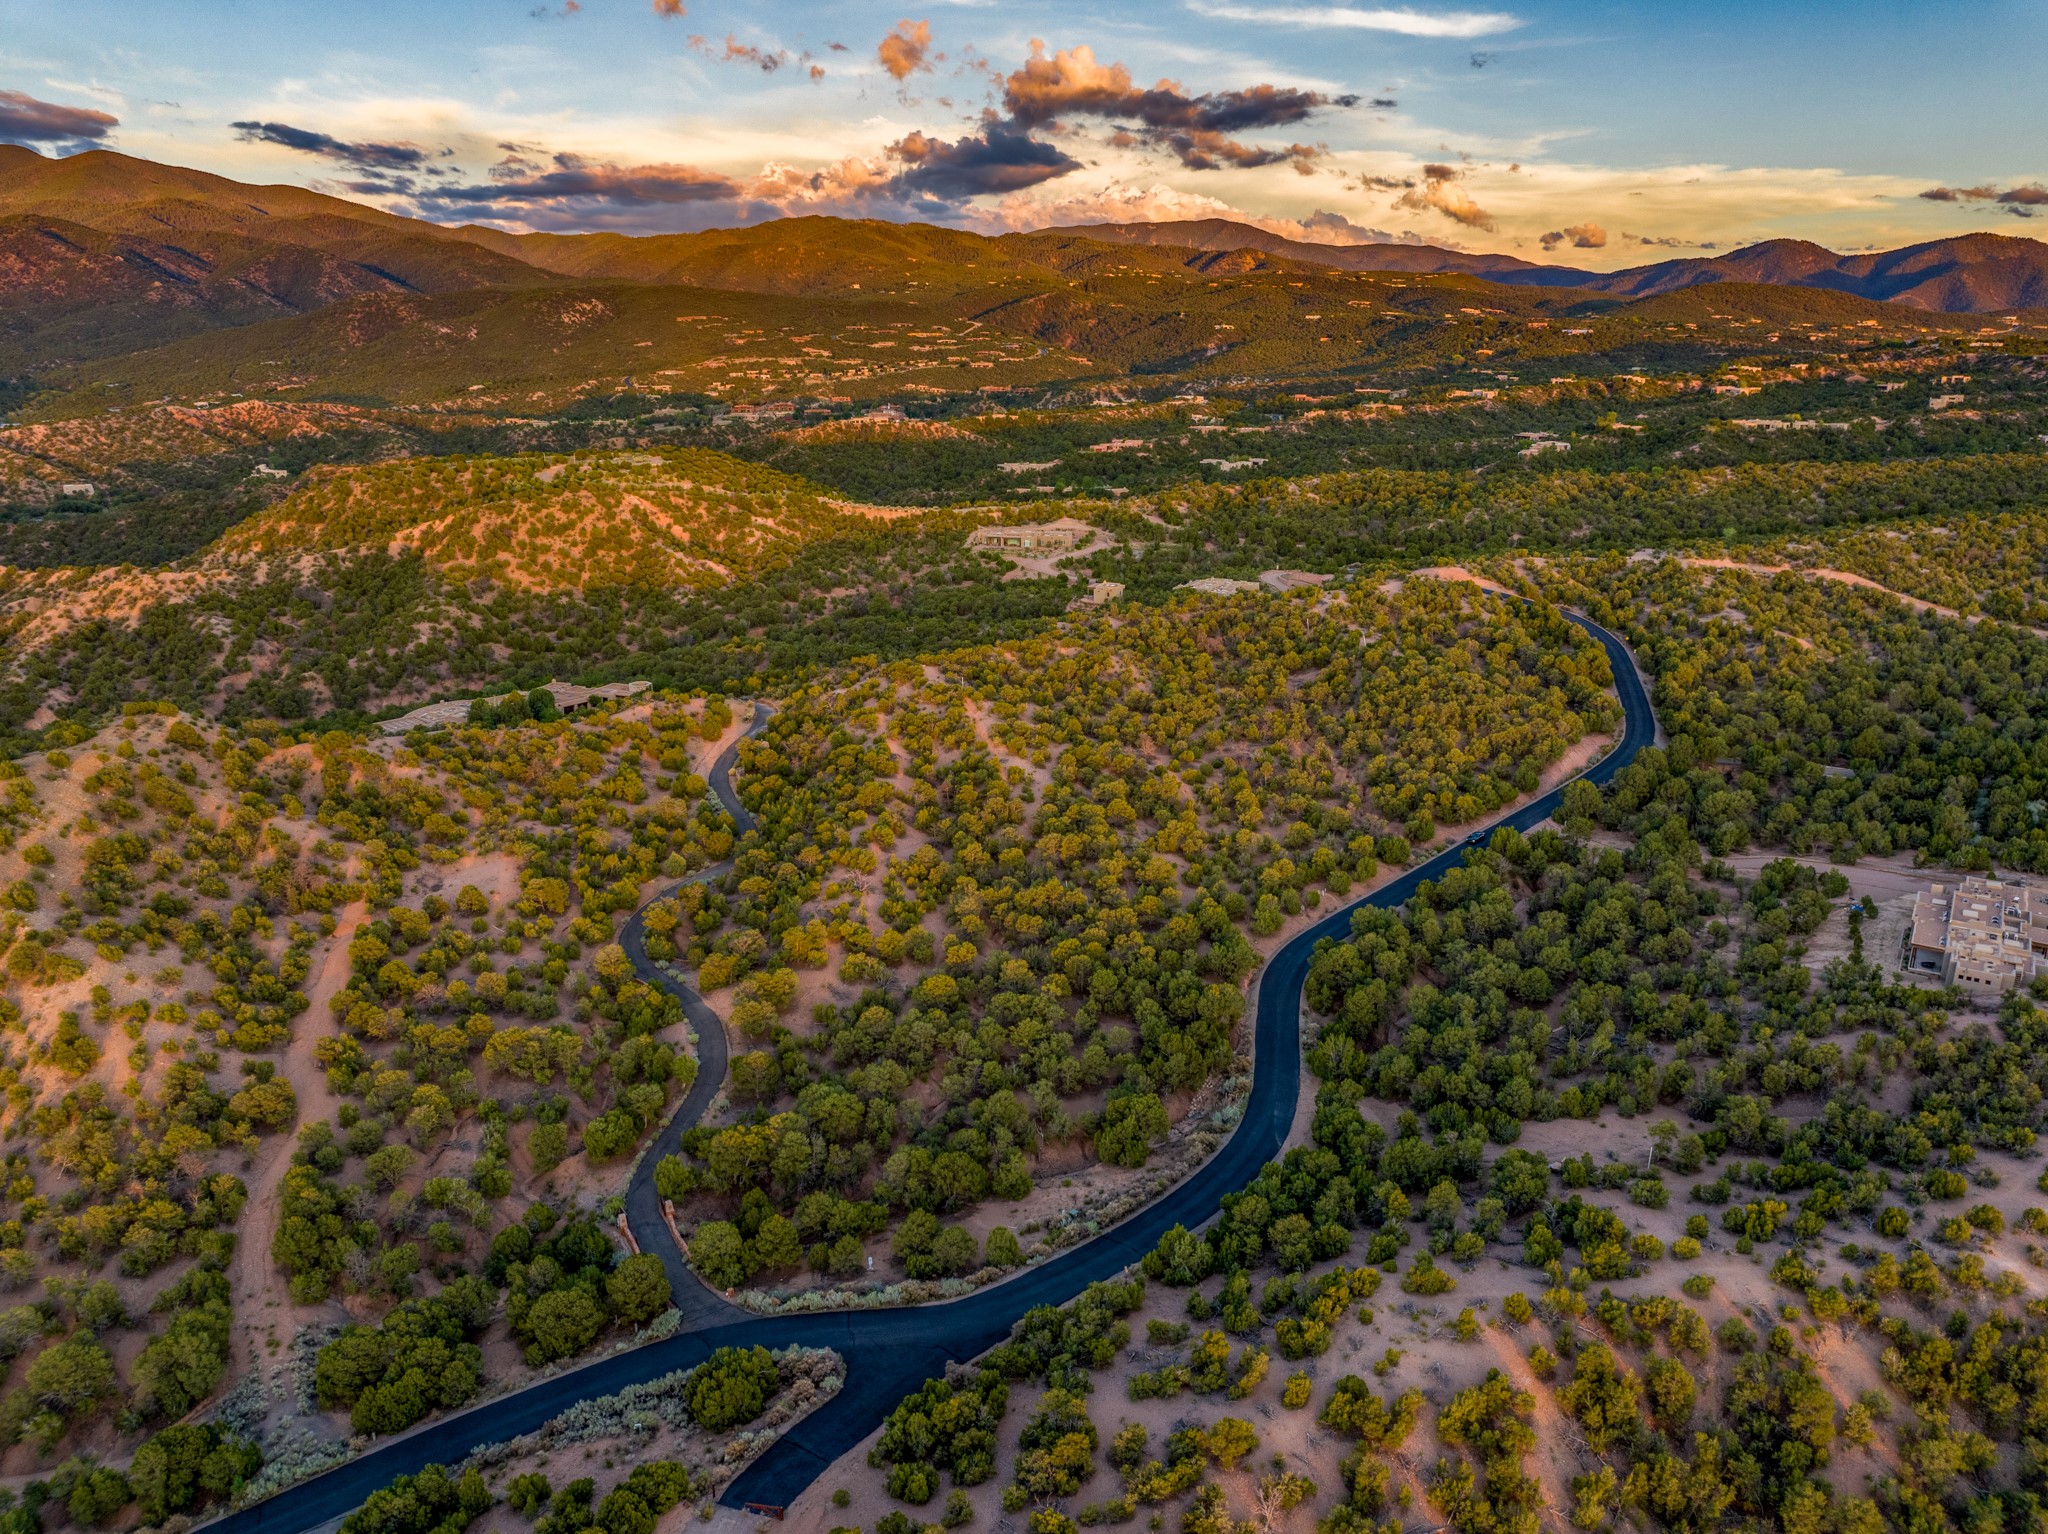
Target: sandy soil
{"type": "Point", "coordinates": [1435, 1362]}
{"type": "Point", "coordinates": [260, 1300]}
{"type": "Point", "coordinates": [1038, 567]}
{"type": "Point", "coordinates": [495, 874]}
{"type": "Point", "coordinates": [1454, 573]}
{"type": "Point", "coordinates": [1846, 578]}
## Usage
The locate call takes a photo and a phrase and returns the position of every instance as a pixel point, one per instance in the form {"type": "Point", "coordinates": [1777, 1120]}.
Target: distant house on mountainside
{"type": "Point", "coordinates": [1291, 580]}
{"type": "Point", "coordinates": [1061, 537]}
{"type": "Point", "coordinates": [567, 695]}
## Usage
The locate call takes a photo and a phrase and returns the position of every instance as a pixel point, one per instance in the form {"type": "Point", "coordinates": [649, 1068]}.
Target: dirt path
{"type": "Point", "coordinates": [1846, 578]}
{"type": "Point", "coordinates": [1455, 573]}
{"type": "Point", "coordinates": [257, 1289]}
{"type": "Point", "coordinates": [1866, 876]}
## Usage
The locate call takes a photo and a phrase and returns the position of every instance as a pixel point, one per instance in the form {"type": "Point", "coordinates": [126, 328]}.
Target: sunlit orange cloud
{"type": "Point", "coordinates": [902, 53]}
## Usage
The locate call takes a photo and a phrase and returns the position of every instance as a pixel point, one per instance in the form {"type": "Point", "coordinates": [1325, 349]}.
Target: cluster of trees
{"type": "Point", "coordinates": [179, 1470]}
{"type": "Point", "coordinates": [1827, 719]}
{"type": "Point", "coordinates": [418, 1358]}
{"type": "Point", "coordinates": [564, 1287]}
{"type": "Point", "coordinates": [1550, 977]}
{"type": "Point", "coordinates": [197, 861]}
{"type": "Point", "coordinates": [1095, 824]}
{"type": "Point", "coordinates": [949, 1425]}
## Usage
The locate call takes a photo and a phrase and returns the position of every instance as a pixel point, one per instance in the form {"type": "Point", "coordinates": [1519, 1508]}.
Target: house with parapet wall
{"type": "Point", "coordinates": [1984, 935]}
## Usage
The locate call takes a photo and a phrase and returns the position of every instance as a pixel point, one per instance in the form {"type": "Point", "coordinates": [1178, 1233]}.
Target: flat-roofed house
{"type": "Point", "coordinates": [1984, 935]}
{"type": "Point", "coordinates": [1061, 537]}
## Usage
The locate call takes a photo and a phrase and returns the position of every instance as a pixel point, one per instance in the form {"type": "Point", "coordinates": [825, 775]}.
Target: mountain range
{"type": "Point", "coordinates": [1966, 274]}
{"type": "Point", "coordinates": [103, 256]}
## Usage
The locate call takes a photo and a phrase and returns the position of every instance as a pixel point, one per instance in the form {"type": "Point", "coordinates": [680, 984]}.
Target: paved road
{"type": "Point", "coordinates": [700, 1306]}
{"type": "Point", "coordinates": [889, 1353]}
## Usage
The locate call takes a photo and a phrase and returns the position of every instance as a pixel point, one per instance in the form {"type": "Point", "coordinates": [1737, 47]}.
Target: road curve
{"type": "Point", "coordinates": [700, 1305]}
{"type": "Point", "coordinates": [889, 1353]}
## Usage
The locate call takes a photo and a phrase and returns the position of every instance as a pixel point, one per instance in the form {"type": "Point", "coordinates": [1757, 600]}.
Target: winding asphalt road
{"type": "Point", "coordinates": [700, 1305]}
{"type": "Point", "coordinates": [889, 1353]}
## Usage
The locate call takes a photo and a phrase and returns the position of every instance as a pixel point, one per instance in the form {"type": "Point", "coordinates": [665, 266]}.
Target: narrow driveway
{"type": "Point", "coordinates": [700, 1305]}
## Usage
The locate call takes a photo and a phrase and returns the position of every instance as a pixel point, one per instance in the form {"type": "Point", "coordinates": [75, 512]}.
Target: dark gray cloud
{"type": "Point", "coordinates": [570, 178]}
{"type": "Point", "coordinates": [25, 120]}
{"type": "Point", "coordinates": [1000, 158]}
{"type": "Point", "coordinates": [2014, 199]}
{"type": "Point", "coordinates": [380, 157]}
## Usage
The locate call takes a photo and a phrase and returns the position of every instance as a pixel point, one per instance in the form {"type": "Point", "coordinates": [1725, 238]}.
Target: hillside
{"type": "Point", "coordinates": [1228, 234]}
{"type": "Point", "coordinates": [119, 194]}
{"type": "Point", "coordinates": [531, 351]}
{"type": "Point", "coordinates": [76, 293]}
{"type": "Point", "coordinates": [106, 255]}
{"type": "Point", "coordinates": [548, 523]}
{"type": "Point", "coordinates": [102, 254]}
{"type": "Point", "coordinates": [527, 350]}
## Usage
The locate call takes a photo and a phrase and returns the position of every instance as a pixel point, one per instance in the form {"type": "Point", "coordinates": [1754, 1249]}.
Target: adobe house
{"type": "Point", "coordinates": [1061, 537]}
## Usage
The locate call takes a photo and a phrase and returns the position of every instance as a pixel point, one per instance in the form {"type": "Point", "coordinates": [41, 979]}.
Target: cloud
{"type": "Point", "coordinates": [997, 159]}
{"type": "Point", "coordinates": [1325, 228]}
{"type": "Point", "coordinates": [1661, 241]}
{"type": "Point", "coordinates": [25, 120]}
{"type": "Point", "coordinates": [919, 176]}
{"type": "Point", "coordinates": [670, 8]}
{"type": "Point", "coordinates": [572, 179]}
{"type": "Point", "coordinates": [1581, 237]}
{"type": "Point", "coordinates": [1121, 203]}
{"type": "Point", "coordinates": [1199, 131]}
{"type": "Point", "coordinates": [1115, 203]}
{"type": "Point", "coordinates": [2033, 195]}
{"type": "Point", "coordinates": [1481, 60]}
{"type": "Point", "coordinates": [1409, 23]}
{"type": "Point", "coordinates": [736, 52]}
{"type": "Point", "coordinates": [1017, 146]}
{"type": "Point", "coordinates": [384, 157]}
{"type": "Point", "coordinates": [903, 52]}
{"type": "Point", "coordinates": [1440, 191]}
{"type": "Point", "coordinates": [1383, 103]}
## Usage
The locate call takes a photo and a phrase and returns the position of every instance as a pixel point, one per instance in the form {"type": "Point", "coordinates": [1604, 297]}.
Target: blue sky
{"type": "Point", "coordinates": [1600, 133]}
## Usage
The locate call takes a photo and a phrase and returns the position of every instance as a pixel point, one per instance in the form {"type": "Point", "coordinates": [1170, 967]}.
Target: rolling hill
{"type": "Point", "coordinates": [169, 205]}
{"type": "Point", "coordinates": [529, 351]}
{"type": "Point", "coordinates": [102, 254]}
{"type": "Point", "coordinates": [551, 523]}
